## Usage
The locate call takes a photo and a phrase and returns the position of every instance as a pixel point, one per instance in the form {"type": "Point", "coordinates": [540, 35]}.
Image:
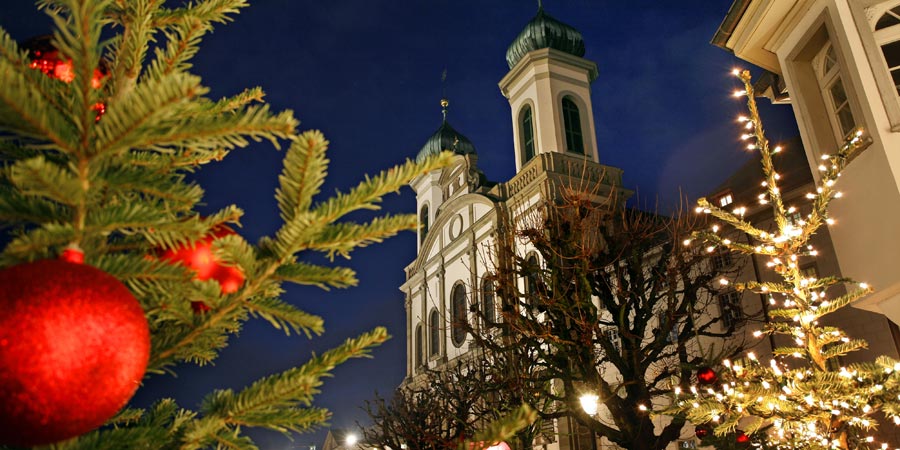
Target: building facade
{"type": "Point", "coordinates": [837, 62]}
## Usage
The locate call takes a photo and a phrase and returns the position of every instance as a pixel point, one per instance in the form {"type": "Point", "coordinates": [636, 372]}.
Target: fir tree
{"type": "Point", "coordinates": [102, 167]}
{"type": "Point", "coordinates": [803, 398]}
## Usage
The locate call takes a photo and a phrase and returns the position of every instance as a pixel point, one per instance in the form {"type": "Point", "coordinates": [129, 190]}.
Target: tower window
{"type": "Point", "coordinates": [572, 125]}
{"type": "Point", "coordinates": [458, 314]}
{"type": "Point", "coordinates": [423, 223]}
{"type": "Point", "coordinates": [730, 308]}
{"type": "Point", "coordinates": [526, 123]}
{"type": "Point", "coordinates": [725, 200]}
{"type": "Point", "coordinates": [434, 331]}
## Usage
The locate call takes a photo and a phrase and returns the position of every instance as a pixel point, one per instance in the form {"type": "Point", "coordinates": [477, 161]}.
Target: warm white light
{"type": "Point", "coordinates": [589, 403]}
{"type": "Point", "coordinates": [739, 93]}
{"type": "Point", "coordinates": [351, 440]}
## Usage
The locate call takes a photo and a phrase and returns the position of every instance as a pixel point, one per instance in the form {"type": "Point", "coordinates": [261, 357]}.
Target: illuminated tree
{"type": "Point", "coordinates": [803, 398]}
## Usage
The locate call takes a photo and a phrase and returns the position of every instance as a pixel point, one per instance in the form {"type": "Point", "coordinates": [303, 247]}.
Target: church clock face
{"type": "Point", "coordinates": [455, 227]}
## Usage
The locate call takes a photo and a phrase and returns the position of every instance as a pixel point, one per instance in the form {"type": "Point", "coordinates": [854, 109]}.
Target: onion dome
{"type": "Point", "coordinates": [544, 31]}
{"type": "Point", "coordinates": [445, 138]}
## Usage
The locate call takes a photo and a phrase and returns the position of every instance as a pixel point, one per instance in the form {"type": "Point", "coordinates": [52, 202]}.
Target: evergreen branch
{"type": "Point", "coordinates": [127, 177]}
{"type": "Point", "coordinates": [305, 168]}
{"type": "Point", "coordinates": [233, 250]}
{"type": "Point", "coordinates": [128, 50]}
{"type": "Point", "coordinates": [341, 238]}
{"type": "Point", "coordinates": [218, 11]}
{"type": "Point", "coordinates": [844, 348]}
{"type": "Point", "coordinates": [284, 316]}
{"type": "Point", "coordinates": [271, 395]}
{"type": "Point", "coordinates": [121, 216]}
{"type": "Point", "coordinates": [133, 120]}
{"type": "Point", "coordinates": [310, 274]}
{"type": "Point", "coordinates": [38, 243]}
{"type": "Point", "coordinates": [502, 430]}
{"type": "Point", "coordinates": [41, 178]}
{"type": "Point", "coordinates": [237, 102]}
{"type": "Point", "coordinates": [25, 110]}
{"type": "Point", "coordinates": [368, 194]}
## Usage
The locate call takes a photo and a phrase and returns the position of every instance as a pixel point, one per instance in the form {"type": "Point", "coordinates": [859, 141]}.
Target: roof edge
{"type": "Point", "coordinates": [729, 23]}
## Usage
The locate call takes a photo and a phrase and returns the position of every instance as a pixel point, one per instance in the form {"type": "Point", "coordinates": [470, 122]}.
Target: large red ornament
{"type": "Point", "coordinates": [74, 345]}
{"type": "Point", "coordinates": [199, 257]}
{"type": "Point", "coordinates": [706, 375]}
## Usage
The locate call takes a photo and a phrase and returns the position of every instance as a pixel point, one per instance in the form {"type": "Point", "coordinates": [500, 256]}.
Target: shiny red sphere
{"type": "Point", "coordinates": [74, 346]}
{"type": "Point", "coordinates": [199, 257]}
{"type": "Point", "coordinates": [706, 375]}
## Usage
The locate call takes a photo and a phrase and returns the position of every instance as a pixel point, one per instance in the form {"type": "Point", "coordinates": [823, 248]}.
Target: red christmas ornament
{"type": "Point", "coordinates": [742, 438]}
{"type": "Point", "coordinates": [74, 345]}
{"type": "Point", "coordinates": [200, 307]}
{"type": "Point", "coordinates": [706, 375]}
{"type": "Point", "coordinates": [199, 257]}
{"type": "Point", "coordinates": [701, 431]}
{"type": "Point", "coordinates": [46, 58]}
{"type": "Point", "coordinates": [73, 255]}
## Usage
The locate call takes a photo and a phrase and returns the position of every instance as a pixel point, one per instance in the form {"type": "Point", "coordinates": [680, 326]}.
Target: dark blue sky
{"type": "Point", "coordinates": [367, 73]}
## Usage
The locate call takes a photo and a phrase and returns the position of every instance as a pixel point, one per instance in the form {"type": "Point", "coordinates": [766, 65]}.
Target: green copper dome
{"type": "Point", "coordinates": [545, 32]}
{"type": "Point", "coordinates": [446, 138]}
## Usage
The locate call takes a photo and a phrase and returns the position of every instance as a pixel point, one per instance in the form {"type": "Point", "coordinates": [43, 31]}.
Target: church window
{"type": "Point", "coordinates": [887, 35]}
{"type": "Point", "coordinates": [434, 331]}
{"type": "Point", "coordinates": [488, 308]}
{"type": "Point", "coordinates": [420, 349]}
{"type": "Point", "coordinates": [572, 126]}
{"type": "Point", "coordinates": [423, 222]}
{"type": "Point", "coordinates": [458, 314]}
{"type": "Point", "coordinates": [837, 101]}
{"type": "Point", "coordinates": [526, 124]}
{"type": "Point", "coordinates": [730, 308]}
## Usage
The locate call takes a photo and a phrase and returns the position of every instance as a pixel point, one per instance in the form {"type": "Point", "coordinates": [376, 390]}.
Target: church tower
{"type": "Point", "coordinates": [549, 91]}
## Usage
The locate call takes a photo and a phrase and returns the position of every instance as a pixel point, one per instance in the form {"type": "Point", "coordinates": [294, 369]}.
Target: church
{"type": "Point", "coordinates": [548, 87]}
{"type": "Point", "coordinates": [461, 213]}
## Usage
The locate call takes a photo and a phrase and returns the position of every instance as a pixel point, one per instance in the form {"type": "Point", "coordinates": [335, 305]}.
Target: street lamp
{"type": "Point", "coordinates": [590, 403]}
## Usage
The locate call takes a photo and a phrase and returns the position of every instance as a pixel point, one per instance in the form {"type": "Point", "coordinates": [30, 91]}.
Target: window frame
{"type": "Point", "coordinates": [730, 308]}
{"type": "Point", "coordinates": [434, 333]}
{"type": "Point", "coordinates": [419, 343]}
{"type": "Point", "coordinates": [424, 222]}
{"type": "Point", "coordinates": [488, 292]}
{"type": "Point", "coordinates": [828, 78]}
{"type": "Point", "coordinates": [572, 128]}
{"type": "Point", "coordinates": [526, 129]}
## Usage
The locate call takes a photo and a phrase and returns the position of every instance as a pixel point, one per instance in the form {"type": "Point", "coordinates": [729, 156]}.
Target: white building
{"type": "Point", "coordinates": [837, 62]}
{"type": "Point", "coordinates": [548, 88]}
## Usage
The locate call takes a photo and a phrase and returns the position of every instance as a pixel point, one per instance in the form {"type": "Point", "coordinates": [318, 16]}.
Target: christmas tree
{"type": "Point", "coordinates": [109, 271]}
{"type": "Point", "coordinates": [803, 397]}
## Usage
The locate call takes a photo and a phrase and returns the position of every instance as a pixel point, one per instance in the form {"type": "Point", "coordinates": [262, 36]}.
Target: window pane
{"type": "Point", "coordinates": [487, 307]}
{"type": "Point", "coordinates": [458, 314]}
{"type": "Point", "coordinates": [845, 116]}
{"type": "Point", "coordinates": [527, 133]}
{"type": "Point", "coordinates": [891, 52]}
{"type": "Point", "coordinates": [572, 125]}
{"type": "Point", "coordinates": [895, 75]}
{"type": "Point", "coordinates": [838, 94]}
{"type": "Point", "coordinates": [435, 332]}
{"type": "Point", "coordinates": [886, 20]}
{"type": "Point", "coordinates": [830, 60]}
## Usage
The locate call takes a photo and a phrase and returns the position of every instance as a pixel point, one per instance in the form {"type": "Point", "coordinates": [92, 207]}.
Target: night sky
{"type": "Point", "coordinates": [368, 74]}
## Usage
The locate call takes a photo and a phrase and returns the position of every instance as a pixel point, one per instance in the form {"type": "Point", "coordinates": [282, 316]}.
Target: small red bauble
{"type": "Point", "coordinates": [706, 375]}
{"type": "Point", "coordinates": [46, 58]}
{"type": "Point", "coordinates": [742, 438]}
{"type": "Point", "coordinates": [200, 307]}
{"type": "Point", "coordinates": [701, 431]}
{"type": "Point", "coordinates": [74, 345]}
{"type": "Point", "coordinates": [199, 257]}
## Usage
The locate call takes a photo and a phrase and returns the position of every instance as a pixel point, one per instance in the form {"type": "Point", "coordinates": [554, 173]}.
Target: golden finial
{"type": "Point", "coordinates": [444, 104]}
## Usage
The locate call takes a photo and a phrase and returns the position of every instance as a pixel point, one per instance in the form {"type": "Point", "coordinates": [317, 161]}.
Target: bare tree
{"type": "Point", "coordinates": [615, 306]}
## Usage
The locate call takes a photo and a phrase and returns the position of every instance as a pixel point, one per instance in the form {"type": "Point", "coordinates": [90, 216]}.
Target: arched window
{"type": "Point", "coordinates": [887, 35]}
{"type": "Point", "coordinates": [458, 318]}
{"type": "Point", "coordinates": [828, 73]}
{"type": "Point", "coordinates": [434, 332]}
{"type": "Point", "coordinates": [488, 308]}
{"type": "Point", "coordinates": [526, 125]}
{"type": "Point", "coordinates": [420, 349]}
{"type": "Point", "coordinates": [572, 126]}
{"type": "Point", "coordinates": [423, 223]}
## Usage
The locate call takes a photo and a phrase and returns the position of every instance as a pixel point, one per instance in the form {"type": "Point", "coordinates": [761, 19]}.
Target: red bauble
{"type": "Point", "coordinates": [706, 375]}
{"type": "Point", "coordinates": [701, 431]}
{"type": "Point", "coordinates": [199, 257]}
{"type": "Point", "coordinates": [74, 345]}
{"type": "Point", "coordinates": [742, 438]}
{"type": "Point", "coordinates": [200, 307]}
{"type": "Point", "coordinates": [46, 58]}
